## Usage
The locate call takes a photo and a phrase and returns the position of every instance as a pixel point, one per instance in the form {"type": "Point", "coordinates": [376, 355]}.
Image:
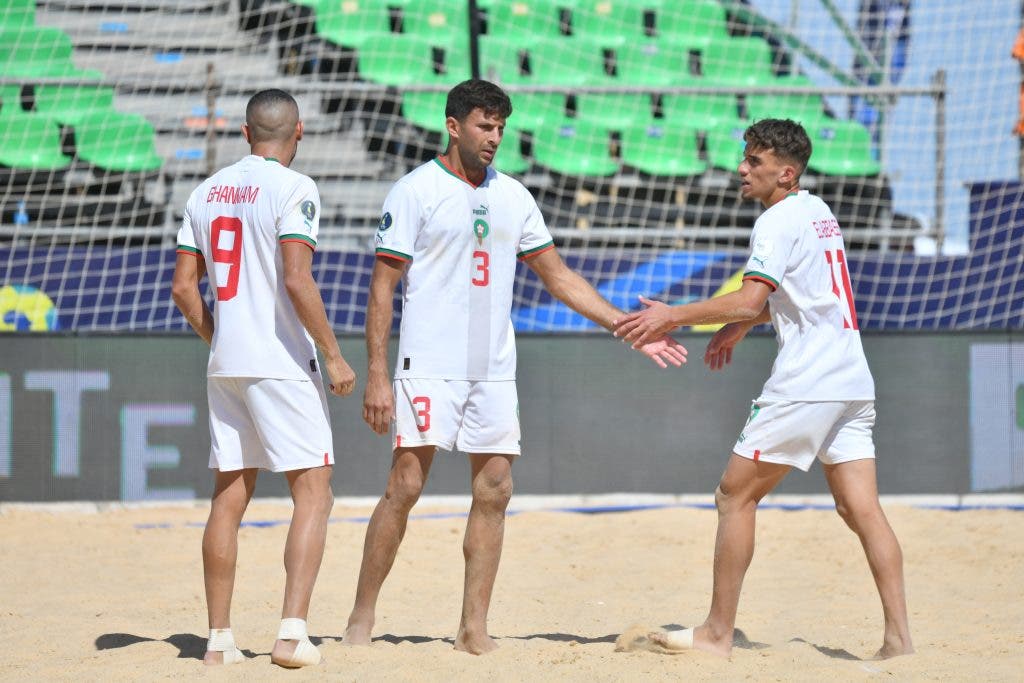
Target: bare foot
{"type": "Point", "coordinates": [357, 633]}
{"type": "Point", "coordinates": [894, 649]}
{"type": "Point", "coordinates": [217, 658]}
{"type": "Point", "coordinates": [283, 650]}
{"type": "Point", "coordinates": [475, 644]}
{"type": "Point", "coordinates": [690, 639]}
{"type": "Point", "coordinates": [293, 654]}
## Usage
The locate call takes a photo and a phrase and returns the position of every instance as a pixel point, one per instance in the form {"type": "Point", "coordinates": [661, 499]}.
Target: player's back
{"type": "Point", "coordinates": [239, 217]}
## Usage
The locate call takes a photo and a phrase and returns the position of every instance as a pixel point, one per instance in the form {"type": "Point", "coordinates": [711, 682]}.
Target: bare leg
{"type": "Point", "coordinates": [231, 494]}
{"type": "Point", "coordinates": [742, 487]}
{"type": "Point", "coordinates": [485, 531]}
{"type": "Point", "coordinates": [304, 549]}
{"type": "Point", "coordinates": [409, 470]}
{"type": "Point", "coordinates": [855, 490]}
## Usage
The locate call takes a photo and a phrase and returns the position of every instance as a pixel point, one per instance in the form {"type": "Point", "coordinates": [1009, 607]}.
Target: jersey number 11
{"type": "Point", "coordinates": [837, 261]}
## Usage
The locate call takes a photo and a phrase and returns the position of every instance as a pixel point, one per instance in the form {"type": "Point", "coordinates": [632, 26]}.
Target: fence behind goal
{"type": "Point", "coordinates": [627, 128]}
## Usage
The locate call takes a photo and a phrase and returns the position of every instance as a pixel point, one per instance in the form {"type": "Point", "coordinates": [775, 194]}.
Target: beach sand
{"type": "Point", "coordinates": [117, 594]}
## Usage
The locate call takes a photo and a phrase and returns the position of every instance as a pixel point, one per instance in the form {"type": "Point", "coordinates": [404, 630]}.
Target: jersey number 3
{"type": "Point", "coordinates": [482, 264]}
{"type": "Point", "coordinates": [227, 230]}
{"type": "Point", "coordinates": [837, 261]}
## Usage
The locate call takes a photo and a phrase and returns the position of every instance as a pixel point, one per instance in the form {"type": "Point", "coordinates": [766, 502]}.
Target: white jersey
{"type": "Point", "coordinates": [461, 243]}
{"type": "Point", "coordinates": [236, 221]}
{"type": "Point", "coordinates": [797, 250]}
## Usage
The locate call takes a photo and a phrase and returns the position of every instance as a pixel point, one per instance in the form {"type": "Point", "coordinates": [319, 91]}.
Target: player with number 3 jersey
{"type": "Point", "coordinates": [451, 232]}
{"type": "Point", "coordinates": [818, 402]}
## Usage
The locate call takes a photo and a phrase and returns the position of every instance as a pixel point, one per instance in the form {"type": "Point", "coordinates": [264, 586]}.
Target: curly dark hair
{"type": "Point", "coordinates": [477, 93]}
{"type": "Point", "coordinates": [786, 138]}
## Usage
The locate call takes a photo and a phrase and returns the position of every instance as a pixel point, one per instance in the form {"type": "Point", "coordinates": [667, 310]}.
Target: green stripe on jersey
{"type": "Point", "coordinates": [528, 252]}
{"type": "Point", "coordinates": [296, 236]}
{"type": "Point", "coordinates": [755, 273]}
{"type": "Point", "coordinates": [191, 250]}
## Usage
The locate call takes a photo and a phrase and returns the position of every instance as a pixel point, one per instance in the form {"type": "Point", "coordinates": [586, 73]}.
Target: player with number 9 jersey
{"type": "Point", "coordinates": [235, 220]}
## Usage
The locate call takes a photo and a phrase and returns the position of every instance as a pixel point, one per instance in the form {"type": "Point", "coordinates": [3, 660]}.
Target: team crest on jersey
{"type": "Point", "coordinates": [385, 222]}
{"type": "Point", "coordinates": [308, 209]}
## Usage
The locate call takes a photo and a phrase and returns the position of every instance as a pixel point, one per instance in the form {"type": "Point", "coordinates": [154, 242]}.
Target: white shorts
{"type": "Point", "coordinates": [272, 424]}
{"type": "Point", "coordinates": [473, 417]}
{"type": "Point", "coordinates": [796, 432]}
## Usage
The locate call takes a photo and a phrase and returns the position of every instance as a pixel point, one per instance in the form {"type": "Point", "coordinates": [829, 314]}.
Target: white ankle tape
{"type": "Point", "coordinates": [292, 629]}
{"type": "Point", "coordinates": [221, 640]}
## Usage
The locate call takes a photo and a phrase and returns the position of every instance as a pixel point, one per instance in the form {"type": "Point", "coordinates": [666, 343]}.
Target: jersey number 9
{"type": "Point", "coordinates": [227, 230]}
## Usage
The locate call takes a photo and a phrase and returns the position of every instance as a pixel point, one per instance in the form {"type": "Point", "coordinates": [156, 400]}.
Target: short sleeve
{"type": "Point", "coordinates": [186, 236]}
{"type": "Point", "coordinates": [399, 223]}
{"type": "Point", "coordinates": [536, 237]}
{"type": "Point", "coordinates": [300, 215]}
{"type": "Point", "coordinates": [770, 247]}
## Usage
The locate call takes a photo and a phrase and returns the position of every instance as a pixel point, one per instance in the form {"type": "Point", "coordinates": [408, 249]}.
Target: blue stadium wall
{"type": "Point", "coordinates": [128, 288]}
{"type": "Point", "coordinates": [122, 415]}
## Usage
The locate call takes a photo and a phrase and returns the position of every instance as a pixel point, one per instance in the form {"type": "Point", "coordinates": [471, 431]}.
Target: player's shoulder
{"type": "Point", "coordinates": [505, 181]}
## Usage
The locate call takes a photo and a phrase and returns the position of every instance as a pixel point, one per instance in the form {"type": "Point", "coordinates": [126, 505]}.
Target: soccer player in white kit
{"type": "Point", "coordinates": [253, 227]}
{"type": "Point", "coordinates": [452, 230]}
{"type": "Point", "coordinates": [818, 401]}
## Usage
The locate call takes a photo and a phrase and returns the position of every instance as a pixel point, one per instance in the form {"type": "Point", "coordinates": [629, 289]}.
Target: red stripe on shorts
{"type": "Point", "coordinates": [757, 455]}
{"type": "Point", "coordinates": [398, 442]}
{"type": "Point", "coordinates": [325, 458]}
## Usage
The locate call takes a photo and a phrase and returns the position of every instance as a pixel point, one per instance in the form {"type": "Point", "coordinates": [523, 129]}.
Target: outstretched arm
{"type": "Point", "coordinates": [189, 270]}
{"type": "Point", "coordinates": [379, 398]}
{"type": "Point", "coordinates": [658, 319]}
{"type": "Point", "coordinates": [570, 288]}
{"type": "Point", "coordinates": [297, 260]}
{"type": "Point", "coordinates": [719, 351]}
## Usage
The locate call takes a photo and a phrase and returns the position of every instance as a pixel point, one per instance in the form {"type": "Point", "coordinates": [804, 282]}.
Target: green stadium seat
{"type": "Point", "coordinates": [842, 148]}
{"type": "Point", "coordinates": [116, 141]}
{"type": "Point", "coordinates": [702, 112]}
{"type": "Point", "coordinates": [425, 109]}
{"type": "Point", "coordinates": [574, 147]}
{"type": "Point", "coordinates": [353, 23]}
{"type": "Point", "coordinates": [17, 13]}
{"type": "Point", "coordinates": [737, 61]}
{"type": "Point", "coordinates": [523, 22]}
{"type": "Point", "coordinates": [724, 145]}
{"type": "Point", "coordinates": [533, 110]}
{"type": "Point", "coordinates": [616, 111]}
{"type": "Point", "coordinates": [509, 158]}
{"type": "Point", "coordinates": [609, 22]}
{"type": "Point", "coordinates": [430, 18]}
{"type": "Point", "coordinates": [10, 100]}
{"type": "Point", "coordinates": [654, 63]}
{"type": "Point", "coordinates": [663, 150]}
{"type": "Point", "coordinates": [559, 62]}
{"type": "Point", "coordinates": [407, 60]}
{"type": "Point", "coordinates": [30, 142]}
{"type": "Point", "coordinates": [39, 52]}
{"type": "Point", "coordinates": [807, 109]}
{"type": "Point", "coordinates": [70, 103]}
{"type": "Point", "coordinates": [688, 22]}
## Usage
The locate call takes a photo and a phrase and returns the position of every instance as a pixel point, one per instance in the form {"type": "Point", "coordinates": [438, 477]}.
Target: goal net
{"type": "Point", "coordinates": [627, 128]}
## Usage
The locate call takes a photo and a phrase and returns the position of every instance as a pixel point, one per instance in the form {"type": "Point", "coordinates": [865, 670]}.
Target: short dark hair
{"type": "Point", "coordinates": [786, 138]}
{"type": "Point", "coordinates": [477, 93]}
{"type": "Point", "coordinates": [271, 116]}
